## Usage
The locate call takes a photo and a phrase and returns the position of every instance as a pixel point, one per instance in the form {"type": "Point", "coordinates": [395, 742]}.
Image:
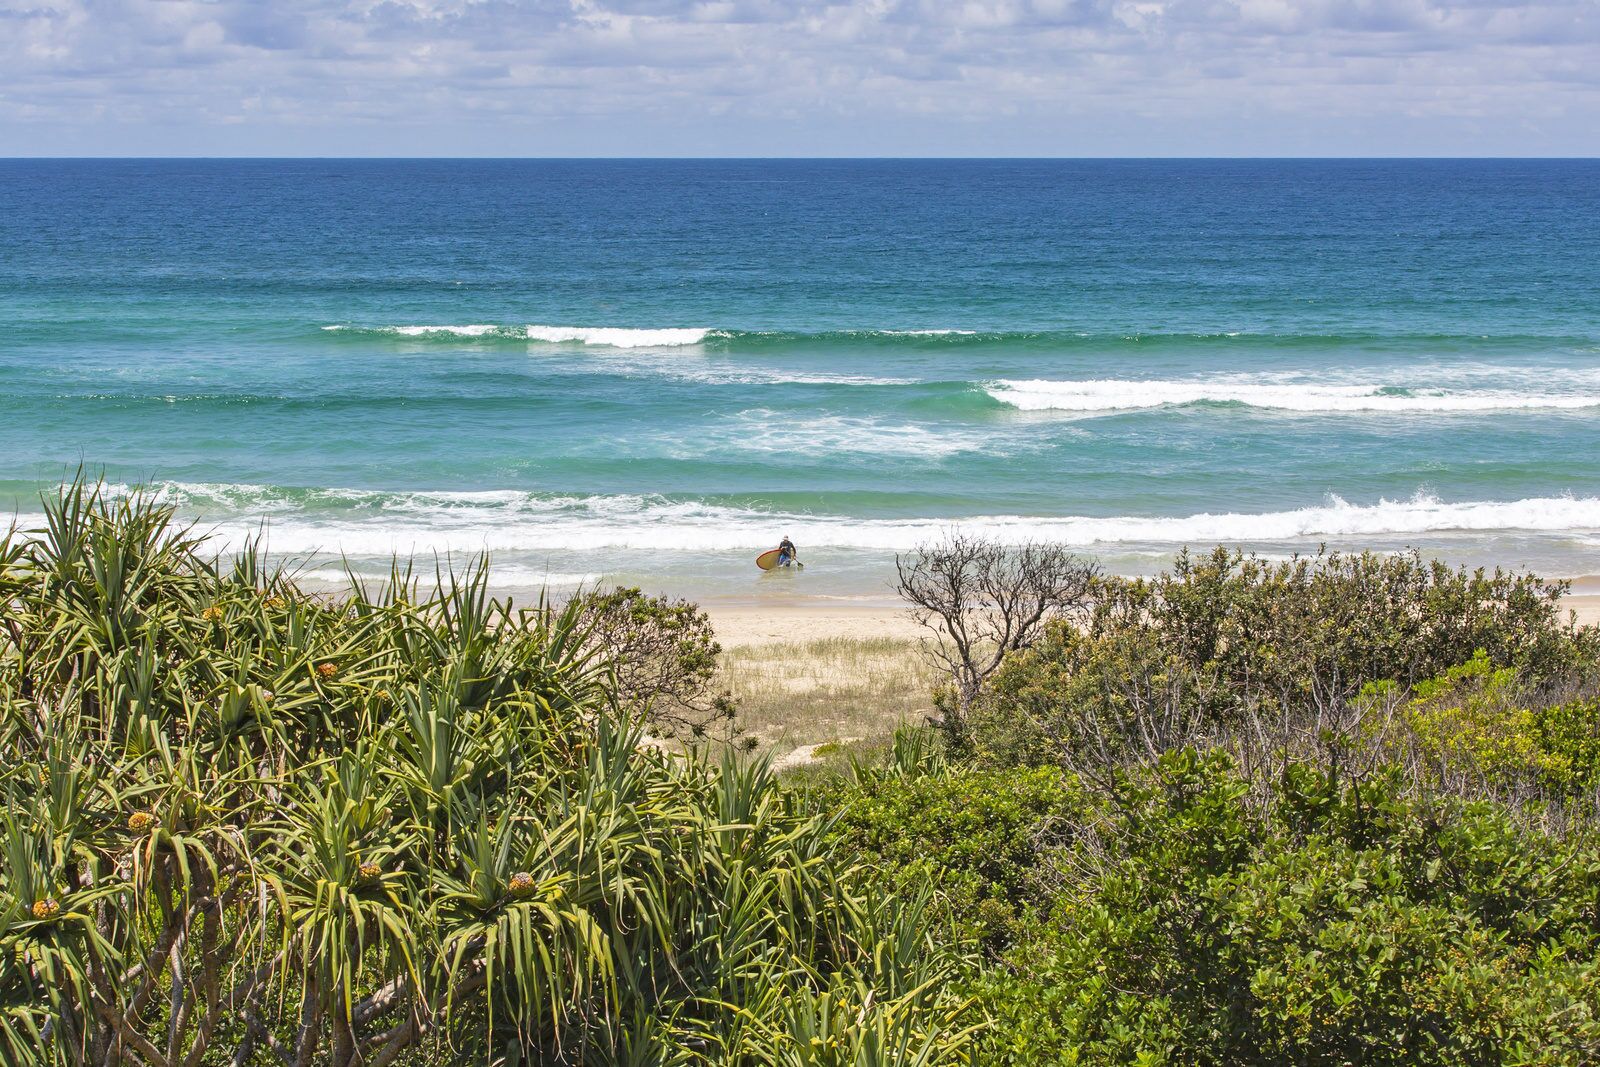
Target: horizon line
{"type": "Point", "coordinates": [811, 158]}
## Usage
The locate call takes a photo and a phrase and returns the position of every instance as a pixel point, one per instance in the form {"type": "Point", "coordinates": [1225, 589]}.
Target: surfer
{"type": "Point", "coordinates": [787, 553]}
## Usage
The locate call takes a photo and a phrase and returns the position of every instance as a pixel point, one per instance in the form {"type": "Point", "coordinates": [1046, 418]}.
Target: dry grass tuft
{"type": "Point", "coordinates": [804, 701]}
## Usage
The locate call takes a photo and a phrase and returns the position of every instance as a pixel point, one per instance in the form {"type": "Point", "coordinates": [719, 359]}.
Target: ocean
{"type": "Point", "coordinates": [647, 371]}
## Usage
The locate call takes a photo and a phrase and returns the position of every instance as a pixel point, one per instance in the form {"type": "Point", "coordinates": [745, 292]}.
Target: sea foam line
{"type": "Point", "coordinates": [374, 524]}
{"type": "Point", "coordinates": [1113, 394]}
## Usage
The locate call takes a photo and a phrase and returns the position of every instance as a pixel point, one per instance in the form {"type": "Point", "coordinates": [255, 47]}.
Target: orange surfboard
{"type": "Point", "coordinates": [768, 559]}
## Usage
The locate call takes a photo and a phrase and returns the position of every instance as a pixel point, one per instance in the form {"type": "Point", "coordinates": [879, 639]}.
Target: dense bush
{"type": "Point", "coordinates": [1184, 921]}
{"type": "Point", "coordinates": [1337, 810]}
{"type": "Point", "coordinates": [661, 655]}
{"type": "Point", "coordinates": [1347, 924]}
{"type": "Point", "coordinates": [978, 836]}
{"type": "Point", "coordinates": [415, 826]}
{"type": "Point", "coordinates": [246, 825]}
{"type": "Point", "coordinates": [1166, 661]}
{"type": "Point", "coordinates": [1476, 722]}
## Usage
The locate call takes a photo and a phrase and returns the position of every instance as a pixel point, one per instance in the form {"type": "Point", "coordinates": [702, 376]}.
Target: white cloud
{"type": "Point", "coordinates": [575, 72]}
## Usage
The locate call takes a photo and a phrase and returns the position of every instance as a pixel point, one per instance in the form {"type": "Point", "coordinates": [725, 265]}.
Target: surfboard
{"type": "Point", "coordinates": [768, 559]}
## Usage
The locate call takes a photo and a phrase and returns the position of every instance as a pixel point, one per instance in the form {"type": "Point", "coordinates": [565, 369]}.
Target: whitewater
{"type": "Point", "coordinates": [381, 524]}
{"type": "Point", "coordinates": [1111, 395]}
{"type": "Point", "coordinates": [531, 536]}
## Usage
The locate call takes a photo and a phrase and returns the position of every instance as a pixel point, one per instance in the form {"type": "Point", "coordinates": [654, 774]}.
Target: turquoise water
{"type": "Point", "coordinates": [651, 370]}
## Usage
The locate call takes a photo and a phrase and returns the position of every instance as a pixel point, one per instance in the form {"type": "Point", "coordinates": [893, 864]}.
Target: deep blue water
{"type": "Point", "coordinates": [652, 369]}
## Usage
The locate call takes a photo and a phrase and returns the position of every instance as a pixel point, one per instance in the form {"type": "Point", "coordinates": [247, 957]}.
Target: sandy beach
{"type": "Point", "coordinates": [1584, 599]}
{"type": "Point", "coordinates": [743, 624]}
{"type": "Point", "coordinates": [1587, 607]}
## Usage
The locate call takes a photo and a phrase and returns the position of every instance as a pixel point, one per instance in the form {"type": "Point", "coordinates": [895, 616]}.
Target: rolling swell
{"type": "Point", "coordinates": [724, 339]}
{"type": "Point", "coordinates": [363, 404]}
{"type": "Point", "coordinates": [778, 367]}
{"type": "Point", "coordinates": [940, 401]}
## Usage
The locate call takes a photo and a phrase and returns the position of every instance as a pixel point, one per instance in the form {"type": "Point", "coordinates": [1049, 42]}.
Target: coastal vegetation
{"type": "Point", "coordinates": [413, 825]}
{"type": "Point", "coordinates": [1332, 810]}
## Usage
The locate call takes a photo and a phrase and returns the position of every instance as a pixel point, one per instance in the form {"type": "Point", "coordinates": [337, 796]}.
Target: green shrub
{"type": "Point", "coordinates": [1341, 620]}
{"type": "Point", "coordinates": [1077, 697]}
{"type": "Point", "coordinates": [1346, 924]}
{"type": "Point", "coordinates": [1569, 733]}
{"type": "Point", "coordinates": [1473, 722]}
{"type": "Point", "coordinates": [661, 658]}
{"type": "Point", "coordinates": [977, 836]}
{"type": "Point", "coordinates": [1163, 661]}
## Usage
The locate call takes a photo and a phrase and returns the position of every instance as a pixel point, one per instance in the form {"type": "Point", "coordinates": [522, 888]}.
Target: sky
{"type": "Point", "coordinates": [799, 77]}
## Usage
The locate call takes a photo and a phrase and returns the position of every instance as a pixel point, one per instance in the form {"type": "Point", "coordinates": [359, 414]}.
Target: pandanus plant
{"type": "Point", "coordinates": [247, 823]}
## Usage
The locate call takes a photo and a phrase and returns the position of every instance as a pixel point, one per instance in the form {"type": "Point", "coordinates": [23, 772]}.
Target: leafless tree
{"type": "Point", "coordinates": [984, 600]}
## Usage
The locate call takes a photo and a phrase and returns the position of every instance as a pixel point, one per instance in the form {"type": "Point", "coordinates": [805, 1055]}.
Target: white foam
{"type": "Point", "coordinates": [775, 433]}
{"type": "Point", "coordinates": [618, 337]}
{"type": "Point", "coordinates": [475, 330]}
{"type": "Point", "coordinates": [605, 336]}
{"type": "Point", "coordinates": [1112, 394]}
{"type": "Point", "coordinates": [371, 524]}
{"type": "Point", "coordinates": [504, 575]}
{"type": "Point", "coordinates": [472, 330]}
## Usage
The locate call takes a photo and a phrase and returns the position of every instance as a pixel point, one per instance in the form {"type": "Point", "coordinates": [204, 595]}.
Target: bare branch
{"type": "Point", "coordinates": [983, 601]}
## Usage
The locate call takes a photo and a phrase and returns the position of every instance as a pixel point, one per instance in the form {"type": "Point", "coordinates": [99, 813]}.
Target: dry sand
{"type": "Point", "coordinates": [803, 620]}
{"type": "Point", "coordinates": [1587, 605]}
{"type": "Point", "coordinates": [744, 625]}
{"type": "Point", "coordinates": [1585, 599]}
{"type": "Point", "coordinates": [814, 677]}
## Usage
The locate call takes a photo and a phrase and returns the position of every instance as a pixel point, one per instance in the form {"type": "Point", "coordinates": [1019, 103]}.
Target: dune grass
{"type": "Point", "coordinates": [808, 700]}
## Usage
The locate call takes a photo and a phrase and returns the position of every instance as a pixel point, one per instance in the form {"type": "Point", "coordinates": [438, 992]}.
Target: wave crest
{"type": "Point", "coordinates": [606, 336]}
{"type": "Point", "coordinates": [1111, 394]}
{"type": "Point", "coordinates": [618, 337]}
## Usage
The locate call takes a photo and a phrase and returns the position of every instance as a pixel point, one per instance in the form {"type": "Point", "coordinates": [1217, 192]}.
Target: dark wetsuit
{"type": "Point", "coordinates": [786, 553]}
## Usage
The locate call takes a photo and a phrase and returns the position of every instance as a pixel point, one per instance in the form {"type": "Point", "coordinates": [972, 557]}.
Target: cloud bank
{"type": "Point", "coordinates": [719, 77]}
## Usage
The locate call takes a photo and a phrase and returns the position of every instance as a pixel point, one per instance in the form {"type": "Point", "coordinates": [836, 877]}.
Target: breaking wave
{"type": "Point", "coordinates": [607, 336]}
{"type": "Point", "coordinates": [362, 523]}
{"type": "Point", "coordinates": [1110, 394]}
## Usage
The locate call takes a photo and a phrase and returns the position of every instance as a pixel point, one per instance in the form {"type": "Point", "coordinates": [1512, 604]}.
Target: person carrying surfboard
{"type": "Point", "coordinates": [785, 555]}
